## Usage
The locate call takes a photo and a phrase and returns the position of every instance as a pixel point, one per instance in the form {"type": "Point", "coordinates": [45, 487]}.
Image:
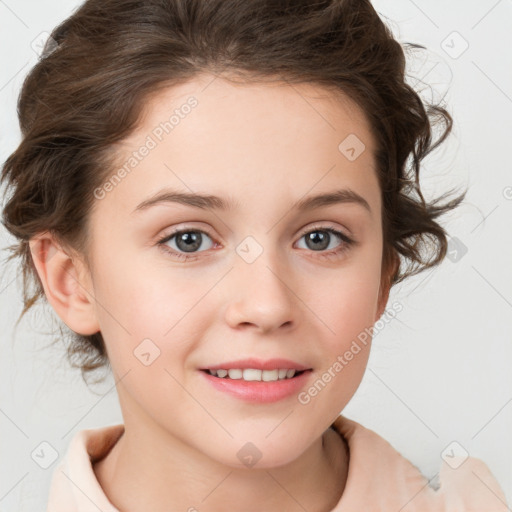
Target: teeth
{"type": "Point", "coordinates": [269, 375]}
{"type": "Point", "coordinates": [250, 374]}
{"type": "Point", "coordinates": [235, 374]}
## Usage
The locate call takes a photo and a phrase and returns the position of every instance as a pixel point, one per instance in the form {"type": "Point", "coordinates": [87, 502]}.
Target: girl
{"type": "Point", "coordinates": [180, 161]}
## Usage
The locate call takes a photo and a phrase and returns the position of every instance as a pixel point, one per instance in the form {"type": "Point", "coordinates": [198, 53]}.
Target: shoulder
{"type": "Point", "coordinates": [379, 476]}
{"type": "Point", "coordinates": [74, 483]}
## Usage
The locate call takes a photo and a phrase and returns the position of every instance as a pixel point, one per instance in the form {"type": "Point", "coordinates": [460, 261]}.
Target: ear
{"type": "Point", "coordinates": [66, 283]}
{"type": "Point", "coordinates": [385, 285]}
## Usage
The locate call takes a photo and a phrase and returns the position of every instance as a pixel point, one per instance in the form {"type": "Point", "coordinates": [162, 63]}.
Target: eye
{"type": "Point", "coordinates": [187, 240]}
{"type": "Point", "coordinates": [319, 243]}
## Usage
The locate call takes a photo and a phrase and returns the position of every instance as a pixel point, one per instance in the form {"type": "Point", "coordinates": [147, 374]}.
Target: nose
{"type": "Point", "coordinates": [261, 296]}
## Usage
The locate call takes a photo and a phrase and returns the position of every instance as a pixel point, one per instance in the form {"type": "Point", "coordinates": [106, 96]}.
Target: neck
{"type": "Point", "coordinates": [138, 480]}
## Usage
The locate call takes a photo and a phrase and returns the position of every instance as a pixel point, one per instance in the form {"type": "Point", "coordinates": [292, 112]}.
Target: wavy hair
{"type": "Point", "coordinates": [104, 62]}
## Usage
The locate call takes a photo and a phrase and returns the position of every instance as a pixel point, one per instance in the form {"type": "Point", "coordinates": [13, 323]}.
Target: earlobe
{"type": "Point", "coordinates": [383, 300]}
{"type": "Point", "coordinates": [63, 279]}
{"type": "Point", "coordinates": [385, 286]}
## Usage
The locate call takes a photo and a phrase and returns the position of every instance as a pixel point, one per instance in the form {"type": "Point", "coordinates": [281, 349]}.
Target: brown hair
{"type": "Point", "coordinates": [104, 62]}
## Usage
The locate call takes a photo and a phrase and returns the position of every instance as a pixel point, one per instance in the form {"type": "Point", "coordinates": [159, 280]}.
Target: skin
{"type": "Point", "coordinates": [265, 146]}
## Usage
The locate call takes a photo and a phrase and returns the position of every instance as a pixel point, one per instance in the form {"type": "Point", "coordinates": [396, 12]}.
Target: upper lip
{"type": "Point", "coordinates": [259, 364]}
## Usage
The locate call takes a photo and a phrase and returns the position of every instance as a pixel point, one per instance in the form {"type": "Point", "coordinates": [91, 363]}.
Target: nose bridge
{"type": "Point", "coordinates": [262, 292]}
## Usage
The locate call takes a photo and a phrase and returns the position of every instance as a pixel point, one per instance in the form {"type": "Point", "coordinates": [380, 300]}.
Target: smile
{"type": "Point", "coordinates": [257, 386]}
{"type": "Point", "coordinates": [253, 374]}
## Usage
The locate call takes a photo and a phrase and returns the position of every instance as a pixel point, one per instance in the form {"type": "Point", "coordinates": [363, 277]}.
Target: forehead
{"type": "Point", "coordinates": [263, 102]}
{"type": "Point", "coordinates": [279, 140]}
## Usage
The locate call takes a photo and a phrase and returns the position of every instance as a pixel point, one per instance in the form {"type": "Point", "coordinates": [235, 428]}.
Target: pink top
{"type": "Point", "coordinates": [379, 478]}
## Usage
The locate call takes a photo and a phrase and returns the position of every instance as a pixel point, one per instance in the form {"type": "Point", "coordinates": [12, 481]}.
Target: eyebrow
{"type": "Point", "coordinates": [211, 202]}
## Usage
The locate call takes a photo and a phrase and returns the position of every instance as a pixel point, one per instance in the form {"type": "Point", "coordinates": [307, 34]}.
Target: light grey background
{"type": "Point", "coordinates": [438, 373]}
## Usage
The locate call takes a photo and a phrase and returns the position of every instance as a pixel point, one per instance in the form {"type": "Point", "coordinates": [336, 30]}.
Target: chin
{"type": "Point", "coordinates": [252, 456]}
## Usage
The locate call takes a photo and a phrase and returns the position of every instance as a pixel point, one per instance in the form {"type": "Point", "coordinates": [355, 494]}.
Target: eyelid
{"type": "Point", "coordinates": [162, 239]}
{"type": "Point", "coordinates": [347, 242]}
{"type": "Point", "coordinates": [317, 225]}
{"type": "Point", "coordinates": [184, 226]}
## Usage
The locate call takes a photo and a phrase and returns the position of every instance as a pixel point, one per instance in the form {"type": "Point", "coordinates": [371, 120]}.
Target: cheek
{"type": "Point", "coordinates": [347, 315]}
{"type": "Point", "coordinates": [147, 311]}
{"type": "Point", "coordinates": [346, 343]}
{"type": "Point", "coordinates": [348, 302]}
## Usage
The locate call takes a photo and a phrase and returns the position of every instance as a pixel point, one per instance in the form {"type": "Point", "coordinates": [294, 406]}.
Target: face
{"type": "Point", "coordinates": [259, 278]}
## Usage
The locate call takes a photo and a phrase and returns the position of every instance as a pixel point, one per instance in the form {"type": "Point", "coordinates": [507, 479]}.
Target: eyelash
{"type": "Point", "coordinates": [345, 246]}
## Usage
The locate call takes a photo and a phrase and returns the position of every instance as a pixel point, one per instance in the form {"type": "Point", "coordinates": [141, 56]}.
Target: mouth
{"type": "Point", "coordinates": [255, 374]}
{"type": "Point", "coordinates": [278, 381]}
{"type": "Point", "coordinates": [253, 369]}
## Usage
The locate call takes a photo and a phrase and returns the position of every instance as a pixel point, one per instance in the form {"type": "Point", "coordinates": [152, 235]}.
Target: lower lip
{"type": "Point", "coordinates": [258, 391]}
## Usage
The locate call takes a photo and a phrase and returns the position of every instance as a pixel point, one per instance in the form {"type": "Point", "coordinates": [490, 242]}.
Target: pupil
{"type": "Point", "coordinates": [189, 241]}
{"type": "Point", "coordinates": [318, 237]}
